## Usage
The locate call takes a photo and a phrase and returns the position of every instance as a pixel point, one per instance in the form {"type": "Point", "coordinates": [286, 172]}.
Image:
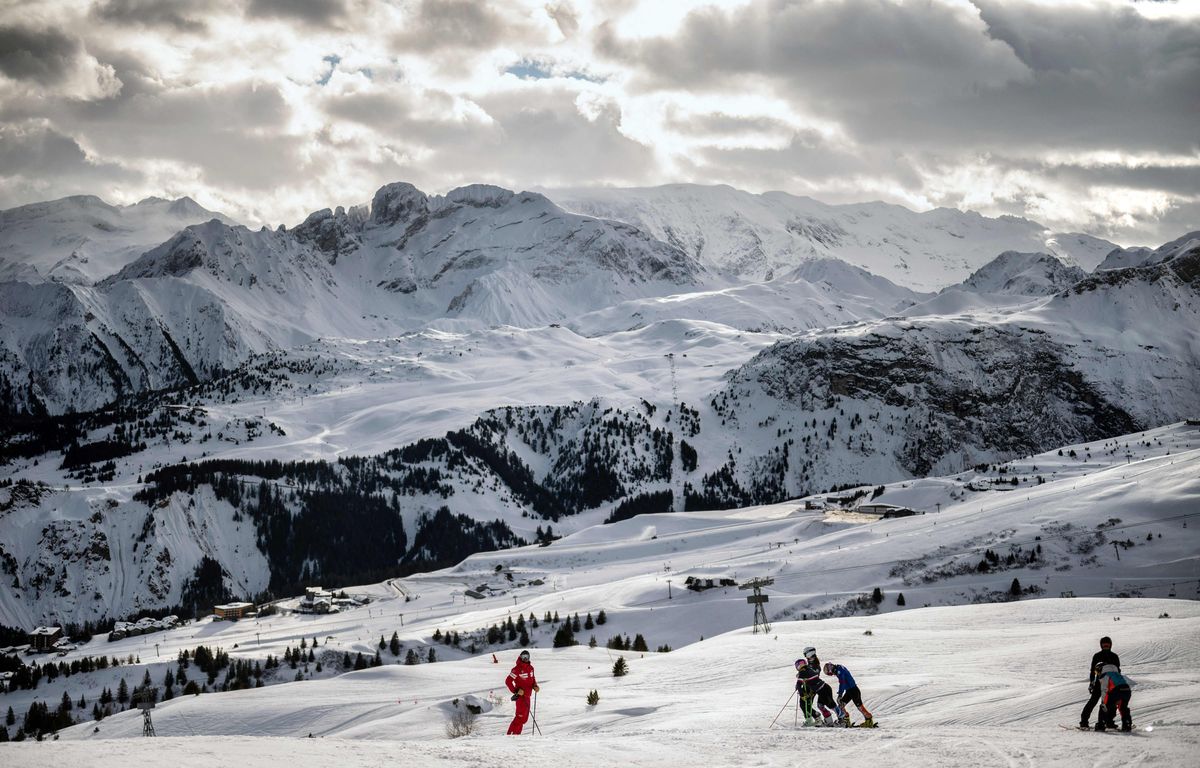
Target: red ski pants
{"type": "Point", "coordinates": [518, 721]}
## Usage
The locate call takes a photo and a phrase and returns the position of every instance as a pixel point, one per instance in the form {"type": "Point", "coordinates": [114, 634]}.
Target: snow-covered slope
{"type": "Point", "coordinates": [1023, 274]}
{"type": "Point", "coordinates": [1122, 258]}
{"type": "Point", "coordinates": [1102, 521]}
{"type": "Point", "coordinates": [929, 393]}
{"type": "Point", "coordinates": [759, 236]}
{"type": "Point", "coordinates": [84, 239]}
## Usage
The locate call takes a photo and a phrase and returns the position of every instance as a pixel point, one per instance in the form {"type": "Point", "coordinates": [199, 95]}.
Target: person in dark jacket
{"type": "Point", "coordinates": [848, 691]}
{"type": "Point", "coordinates": [1114, 694]}
{"type": "Point", "coordinates": [522, 683]}
{"type": "Point", "coordinates": [812, 688]}
{"type": "Point", "coordinates": [1101, 657]}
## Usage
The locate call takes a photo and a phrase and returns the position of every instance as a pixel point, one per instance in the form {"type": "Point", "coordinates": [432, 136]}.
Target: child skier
{"type": "Point", "coordinates": [520, 682]}
{"type": "Point", "coordinates": [1115, 693]}
{"type": "Point", "coordinates": [848, 691]}
{"type": "Point", "coordinates": [812, 688]}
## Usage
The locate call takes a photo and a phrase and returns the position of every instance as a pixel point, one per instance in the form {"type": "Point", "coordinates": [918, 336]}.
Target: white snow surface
{"type": "Point", "coordinates": [967, 686]}
{"type": "Point", "coordinates": [950, 684]}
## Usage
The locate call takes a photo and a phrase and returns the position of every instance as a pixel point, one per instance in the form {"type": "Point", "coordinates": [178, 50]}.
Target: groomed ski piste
{"type": "Point", "coordinates": [962, 682]}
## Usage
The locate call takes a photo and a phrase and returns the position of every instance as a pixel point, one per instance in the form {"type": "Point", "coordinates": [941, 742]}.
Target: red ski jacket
{"type": "Point", "coordinates": [521, 677]}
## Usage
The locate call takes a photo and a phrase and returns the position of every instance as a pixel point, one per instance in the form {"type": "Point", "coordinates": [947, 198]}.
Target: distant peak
{"type": "Point", "coordinates": [398, 201]}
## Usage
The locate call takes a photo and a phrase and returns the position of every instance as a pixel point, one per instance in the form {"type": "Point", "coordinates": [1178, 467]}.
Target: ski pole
{"type": "Point", "coordinates": [785, 706]}
{"type": "Point", "coordinates": [536, 728]}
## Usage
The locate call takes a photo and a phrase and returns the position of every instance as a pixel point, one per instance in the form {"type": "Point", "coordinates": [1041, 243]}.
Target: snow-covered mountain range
{"type": "Point", "coordinates": [466, 370]}
{"type": "Point", "coordinates": [758, 236]}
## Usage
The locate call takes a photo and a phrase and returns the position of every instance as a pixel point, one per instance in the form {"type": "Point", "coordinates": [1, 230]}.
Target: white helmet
{"type": "Point", "coordinates": [809, 652]}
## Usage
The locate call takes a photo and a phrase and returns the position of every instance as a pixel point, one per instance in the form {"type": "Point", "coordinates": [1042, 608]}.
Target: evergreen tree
{"type": "Point", "coordinates": [11, 717]}
{"type": "Point", "coordinates": [639, 644]}
{"type": "Point", "coordinates": [382, 644]}
{"type": "Point", "coordinates": [411, 658]}
{"type": "Point", "coordinates": [593, 697]}
{"type": "Point", "coordinates": [592, 641]}
{"type": "Point", "coordinates": [900, 599]}
{"type": "Point", "coordinates": [555, 620]}
{"type": "Point", "coordinates": [575, 623]}
{"type": "Point", "coordinates": [377, 661]}
{"type": "Point", "coordinates": [877, 596]}
{"type": "Point", "coordinates": [564, 637]}
{"type": "Point", "coordinates": [432, 656]}
{"type": "Point", "coordinates": [4, 733]}
{"type": "Point", "coordinates": [122, 692]}
{"type": "Point", "coordinates": [394, 646]}
{"type": "Point", "coordinates": [359, 662]}
{"type": "Point", "coordinates": [313, 657]}
{"type": "Point", "coordinates": [620, 667]}
{"type": "Point", "coordinates": [346, 661]}
{"type": "Point", "coordinates": [601, 618]}
{"type": "Point", "coordinates": [437, 634]}
{"type": "Point", "coordinates": [1015, 588]}
{"type": "Point", "coordinates": [588, 623]}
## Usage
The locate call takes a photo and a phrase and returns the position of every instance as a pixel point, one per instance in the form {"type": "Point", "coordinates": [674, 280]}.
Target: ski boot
{"type": "Point", "coordinates": [845, 722]}
{"type": "Point", "coordinates": [830, 721]}
{"type": "Point", "coordinates": [868, 723]}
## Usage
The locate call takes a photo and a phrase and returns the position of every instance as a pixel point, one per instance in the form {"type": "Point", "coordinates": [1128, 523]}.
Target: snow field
{"type": "Point", "coordinates": [966, 685]}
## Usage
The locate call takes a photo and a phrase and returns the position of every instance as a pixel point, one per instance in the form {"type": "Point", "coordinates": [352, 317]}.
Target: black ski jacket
{"type": "Point", "coordinates": [1102, 657]}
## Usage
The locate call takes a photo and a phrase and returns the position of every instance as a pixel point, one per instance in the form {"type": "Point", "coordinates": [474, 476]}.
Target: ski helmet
{"type": "Point", "coordinates": [800, 663]}
{"type": "Point", "coordinates": [524, 656]}
{"type": "Point", "coordinates": [1106, 642]}
{"type": "Point", "coordinates": [809, 652]}
{"type": "Point", "coordinates": [829, 668]}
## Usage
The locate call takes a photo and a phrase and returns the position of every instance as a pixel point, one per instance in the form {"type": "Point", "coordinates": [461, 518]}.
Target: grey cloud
{"type": "Point", "coordinates": [933, 76]}
{"type": "Point", "coordinates": [1179, 180]}
{"type": "Point", "coordinates": [565, 17]}
{"type": "Point", "coordinates": [864, 50]}
{"type": "Point", "coordinates": [393, 110]}
{"type": "Point", "coordinates": [309, 11]}
{"type": "Point", "coordinates": [44, 56]}
{"type": "Point", "coordinates": [807, 160]}
{"type": "Point", "coordinates": [721, 124]}
{"type": "Point", "coordinates": [440, 25]}
{"type": "Point", "coordinates": [36, 159]}
{"type": "Point", "coordinates": [234, 134]}
{"type": "Point", "coordinates": [179, 15]}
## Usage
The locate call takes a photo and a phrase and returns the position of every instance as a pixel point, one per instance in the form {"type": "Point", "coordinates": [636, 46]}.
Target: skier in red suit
{"type": "Point", "coordinates": [521, 682]}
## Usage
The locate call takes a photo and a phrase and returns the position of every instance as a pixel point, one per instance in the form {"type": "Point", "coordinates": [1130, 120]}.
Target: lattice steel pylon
{"type": "Point", "coordinates": [146, 704]}
{"type": "Point", "coordinates": [758, 600]}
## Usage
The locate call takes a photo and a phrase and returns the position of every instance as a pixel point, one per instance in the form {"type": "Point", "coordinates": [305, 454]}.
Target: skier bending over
{"type": "Point", "coordinates": [1103, 656]}
{"type": "Point", "coordinates": [811, 687]}
{"type": "Point", "coordinates": [1115, 693]}
{"type": "Point", "coordinates": [521, 681]}
{"type": "Point", "coordinates": [848, 691]}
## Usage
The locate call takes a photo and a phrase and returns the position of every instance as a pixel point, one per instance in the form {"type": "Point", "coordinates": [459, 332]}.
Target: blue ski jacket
{"type": "Point", "coordinates": [845, 679]}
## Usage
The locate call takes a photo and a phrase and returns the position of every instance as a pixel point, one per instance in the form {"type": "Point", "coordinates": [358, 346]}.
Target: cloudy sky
{"type": "Point", "coordinates": [1082, 115]}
